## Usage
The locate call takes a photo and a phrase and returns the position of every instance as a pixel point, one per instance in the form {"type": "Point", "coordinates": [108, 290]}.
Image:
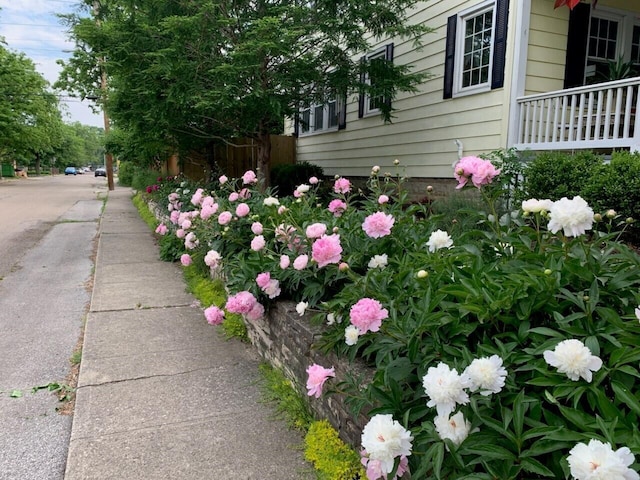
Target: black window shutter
{"type": "Point", "coordinates": [577, 45]}
{"type": "Point", "coordinates": [361, 97]}
{"type": "Point", "coordinates": [500, 44]}
{"type": "Point", "coordinates": [296, 125]}
{"type": "Point", "coordinates": [388, 56]}
{"type": "Point", "coordinates": [342, 112]}
{"type": "Point", "coordinates": [449, 57]}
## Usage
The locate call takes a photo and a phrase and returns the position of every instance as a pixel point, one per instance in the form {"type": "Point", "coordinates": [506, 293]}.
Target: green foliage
{"type": "Point", "coordinates": [289, 403]}
{"type": "Point", "coordinates": [331, 457]}
{"type": "Point", "coordinates": [125, 174]}
{"type": "Point", "coordinates": [144, 211]}
{"type": "Point", "coordinates": [142, 178]}
{"type": "Point", "coordinates": [554, 175]}
{"type": "Point", "coordinates": [285, 178]}
{"type": "Point", "coordinates": [171, 248]}
{"type": "Point", "coordinates": [180, 79]}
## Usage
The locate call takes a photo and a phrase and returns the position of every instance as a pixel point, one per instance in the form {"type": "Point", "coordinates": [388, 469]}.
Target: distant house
{"type": "Point", "coordinates": [505, 73]}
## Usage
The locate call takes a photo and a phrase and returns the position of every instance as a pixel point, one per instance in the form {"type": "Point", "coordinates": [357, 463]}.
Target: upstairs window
{"type": "Point", "coordinates": [475, 49]}
{"type": "Point", "coordinates": [370, 104]}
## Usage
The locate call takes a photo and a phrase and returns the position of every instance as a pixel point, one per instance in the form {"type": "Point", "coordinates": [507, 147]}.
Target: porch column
{"type": "Point", "coordinates": [518, 75]}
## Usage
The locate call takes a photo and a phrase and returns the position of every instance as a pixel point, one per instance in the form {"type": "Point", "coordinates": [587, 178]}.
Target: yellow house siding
{"type": "Point", "coordinates": [547, 47]}
{"type": "Point", "coordinates": [422, 135]}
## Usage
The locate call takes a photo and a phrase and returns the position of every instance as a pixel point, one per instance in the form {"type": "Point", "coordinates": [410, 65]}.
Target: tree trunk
{"type": "Point", "coordinates": [37, 164]}
{"type": "Point", "coordinates": [264, 159]}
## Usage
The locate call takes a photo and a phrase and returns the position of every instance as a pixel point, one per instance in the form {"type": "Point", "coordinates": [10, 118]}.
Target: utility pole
{"type": "Point", "coordinates": [103, 88]}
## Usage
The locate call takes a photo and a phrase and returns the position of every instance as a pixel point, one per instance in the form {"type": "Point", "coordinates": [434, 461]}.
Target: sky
{"type": "Point", "coordinates": [31, 27]}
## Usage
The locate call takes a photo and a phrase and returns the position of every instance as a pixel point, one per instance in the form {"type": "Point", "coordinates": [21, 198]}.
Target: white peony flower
{"type": "Point", "coordinates": [486, 374]}
{"type": "Point", "coordinates": [534, 205]}
{"type": "Point", "coordinates": [574, 359]}
{"type": "Point", "coordinates": [455, 428]}
{"type": "Point", "coordinates": [445, 389]}
{"type": "Point", "coordinates": [637, 312]}
{"type": "Point", "coordinates": [378, 261]}
{"type": "Point", "coordinates": [598, 461]}
{"type": "Point", "coordinates": [271, 202]}
{"type": "Point", "coordinates": [573, 216]}
{"type": "Point", "coordinates": [304, 188]}
{"type": "Point", "coordinates": [351, 334]}
{"type": "Point", "coordinates": [384, 439]}
{"type": "Point", "coordinates": [332, 319]}
{"type": "Point", "coordinates": [438, 240]}
{"type": "Point", "coordinates": [302, 307]}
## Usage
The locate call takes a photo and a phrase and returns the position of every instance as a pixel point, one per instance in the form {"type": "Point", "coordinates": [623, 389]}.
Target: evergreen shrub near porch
{"type": "Point", "coordinates": [507, 351]}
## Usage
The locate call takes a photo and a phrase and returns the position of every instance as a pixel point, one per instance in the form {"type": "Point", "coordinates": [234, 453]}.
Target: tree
{"type": "Point", "coordinates": [188, 72]}
{"type": "Point", "coordinates": [30, 121]}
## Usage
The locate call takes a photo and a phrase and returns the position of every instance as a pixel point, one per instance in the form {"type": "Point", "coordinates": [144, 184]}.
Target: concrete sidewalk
{"type": "Point", "coordinates": [160, 394]}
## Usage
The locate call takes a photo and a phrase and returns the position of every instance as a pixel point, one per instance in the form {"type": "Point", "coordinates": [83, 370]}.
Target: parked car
{"type": "Point", "coordinates": [101, 172]}
{"type": "Point", "coordinates": [70, 171]}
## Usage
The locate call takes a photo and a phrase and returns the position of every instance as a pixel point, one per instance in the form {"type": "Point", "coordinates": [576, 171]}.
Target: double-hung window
{"type": "Point", "coordinates": [475, 49]}
{"type": "Point", "coordinates": [319, 118]}
{"type": "Point", "coordinates": [370, 104]}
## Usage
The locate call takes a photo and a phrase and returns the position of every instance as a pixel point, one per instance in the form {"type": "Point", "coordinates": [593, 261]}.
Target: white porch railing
{"type": "Point", "coordinates": [589, 117]}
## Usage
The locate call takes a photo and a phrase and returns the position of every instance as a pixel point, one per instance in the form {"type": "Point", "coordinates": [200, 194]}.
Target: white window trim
{"type": "Point", "coordinates": [458, 90]}
{"type": "Point", "coordinates": [367, 112]}
{"type": "Point", "coordinates": [325, 120]}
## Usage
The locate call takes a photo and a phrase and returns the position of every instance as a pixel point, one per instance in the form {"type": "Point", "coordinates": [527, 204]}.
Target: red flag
{"type": "Point", "coordinates": [568, 3]}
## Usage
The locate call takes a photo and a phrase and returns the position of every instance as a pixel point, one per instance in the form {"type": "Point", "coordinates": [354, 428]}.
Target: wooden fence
{"type": "Point", "coordinates": [233, 161]}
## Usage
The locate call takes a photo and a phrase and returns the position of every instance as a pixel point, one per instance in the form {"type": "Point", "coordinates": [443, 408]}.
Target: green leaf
{"type": "Point", "coordinates": [489, 451]}
{"type": "Point", "coordinates": [532, 465]}
{"type": "Point", "coordinates": [16, 394]}
{"type": "Point", "coordinates": [547, 332]}
{"type": "Point", "coordinates": [626, 397]}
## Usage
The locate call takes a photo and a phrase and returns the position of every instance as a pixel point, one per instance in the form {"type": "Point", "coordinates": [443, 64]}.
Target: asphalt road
{"type": "Point", "coordinates": [47, 231]}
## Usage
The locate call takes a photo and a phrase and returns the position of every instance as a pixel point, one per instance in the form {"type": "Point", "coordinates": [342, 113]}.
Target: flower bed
{"type": "Point", "coordinates": [509, 350]}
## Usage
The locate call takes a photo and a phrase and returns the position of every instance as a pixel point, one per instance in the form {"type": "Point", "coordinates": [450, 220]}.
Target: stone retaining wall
{"type": "Point", "coordinates": [285, 340]}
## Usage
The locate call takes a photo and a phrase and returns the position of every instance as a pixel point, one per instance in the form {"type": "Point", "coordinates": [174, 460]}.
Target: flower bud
{"type": "Point", "coordinates": [586, 298]}
{"type": "Point", "coordinates": [335, 230]}
{"type": "Point", "coordinates": [375, 169]}
{"type": "Point", "coordinates": [629, 220]}
{"type": "Point", "coordinates": [597, 217]}
{"type": "Point", "coordinates": [343, 267]}
{"type": "Point", "coordinates": [429, 188]}
{"type": "Point", "coordinates": [422, 274]}
{"type": "Point", "coordinates": [547, 271]}
{"type": "Point", "coordinates": [611, 213]}
{"type": "Point", "coordinates": [396, 162]}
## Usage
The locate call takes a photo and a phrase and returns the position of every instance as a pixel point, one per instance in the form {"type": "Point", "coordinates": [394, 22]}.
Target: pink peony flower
{"type": "Point", "coordinates": [256, 228]}
{"type": "Point", "coordinates": [242, 210]}
{"type": "Point", "coordinates": [258, 243]}
{"type": "Point", "coordinates": [180, 233]}
{"type": "Point", "coordinates": [212, 259]}
{"type": "Point", "coordinates": [337, 207]}
{"type": "Point", "coordinates": [342, 185]}
{"type": "Point", "coordinates": [234, 196]}
{"type": "Point", "coordinates": [316, 230]}
{"type": "Point", "coordinates": [367, 315]}
{"type": "Point", "coordinates": [190, 241]}
{"type": "Point", "coordinates": [241, 302]}
{"type": "Point", "coordinates": [317, 376]}
{"type": "Point", "coordinates": [326, 250]}
{"type": "Point", "coordinates": [185, 259]}
{"type": "Point", "coordinates": [480, 172]}
{"type": "Point", "coordinates": [263, 279]}
{"type": "Point", "coordinates": [244, 194]}
{"type": "Point", "coordinates": [196, 198]}
{"type": "Point", "coordinates": [162, 229]}
{"type": "Point", "coordinates": [272, 288]}
{"type": "Point", "coordinates": [378, 224]}
{"type": "Point", "coordinates": [300, 263]}
{"type": "Point", "coordinates": [256, 313]}
{"type": "Point", "coordinates": [382, 199]}
{"type": "Point", "coordinates": [313, 180]}
{"type": "Point", "coordinates": [186, 224]}
{"type": "Point", "coordinates": [224, 218]}
{"type": "Point", "coordinates": [223, 179]}
{"type": "Point", "coordinates": [175, 214]}
{"type": "Point", "coordinates": [249, 177]}
{"type": "Point", "coordinates": [282, 209]}
{"type": "Point", "coordinates": [284, 261]}
{"type": "Point", "coordinates": [208, 210]}
{"type": "Point", "coordinates": [214, 315]}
